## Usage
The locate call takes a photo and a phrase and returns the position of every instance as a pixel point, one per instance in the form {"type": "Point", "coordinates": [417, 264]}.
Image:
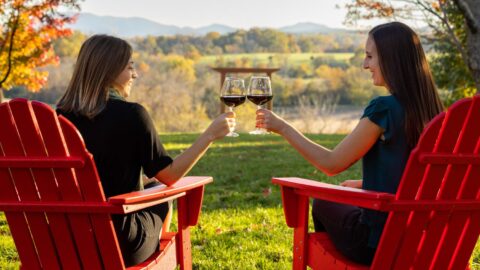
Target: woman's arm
{"type": "Point", "coordinates": [182, 164]}
{"type": "Point", "coordinates": [331, 162]}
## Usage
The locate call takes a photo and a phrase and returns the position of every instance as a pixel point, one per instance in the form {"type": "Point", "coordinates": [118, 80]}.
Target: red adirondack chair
{"type": "Point", "coordinates": [434, 218]}
{"type": "Point", "coordinates": [54, 203]}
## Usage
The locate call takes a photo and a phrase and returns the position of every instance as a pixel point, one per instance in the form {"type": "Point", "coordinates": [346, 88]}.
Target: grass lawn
{"type": "Point", "coordinates": [242, 224]}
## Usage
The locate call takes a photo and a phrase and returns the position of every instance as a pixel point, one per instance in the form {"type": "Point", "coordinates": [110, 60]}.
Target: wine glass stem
{"type": "Point", "coordinates": [258, 108]}
{"type": "Point", "coordinates": [230, 109]}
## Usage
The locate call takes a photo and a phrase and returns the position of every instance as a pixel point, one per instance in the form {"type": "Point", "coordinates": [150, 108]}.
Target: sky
{"type": "Point", "coordinates": [239, 14]}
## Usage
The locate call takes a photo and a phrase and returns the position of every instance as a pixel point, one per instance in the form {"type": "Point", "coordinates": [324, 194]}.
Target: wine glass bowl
{"type": "Point", "coordinates": [260, 93]}
{"type": "Point", "coordinates": [233, 95]}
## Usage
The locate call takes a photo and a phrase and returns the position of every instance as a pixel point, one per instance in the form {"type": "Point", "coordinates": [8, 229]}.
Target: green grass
{"type": "Point", "coordinates": [263, 58]}
{"type": "Point", "coordinates": [242, 225]}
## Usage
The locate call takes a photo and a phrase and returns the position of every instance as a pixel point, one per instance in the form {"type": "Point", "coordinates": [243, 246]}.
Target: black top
{"type": "Point", "coordinates": [123, 141]}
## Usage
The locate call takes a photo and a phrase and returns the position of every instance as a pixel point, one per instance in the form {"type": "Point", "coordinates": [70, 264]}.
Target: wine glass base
{"type": "Point", "coordinates": [258, 132]}
{"type": "Point", "coordinates": [232, 134]}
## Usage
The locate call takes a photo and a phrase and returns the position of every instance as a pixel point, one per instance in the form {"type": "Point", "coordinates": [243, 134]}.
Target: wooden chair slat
{"type": "Point", "coordinates": [443, 169]}
{"type": "Point", "coordinates": [27, 189]}
{"type": "Point", "coordinates": [91, 189]}
{"type": "Point", "coordinates": [17, 221]}
{"type": "Point", "coordinates": [466, 243]}
{"type": "Point", "coordinates": [45, 168]}
{"type": "Point", "coordinates": [390, 243]}
{"type": "Point", "coordinates": [470, 233]}
{"type": "Point", "coordinates": [81, 228]}
{"type": "Point", "coordinates": [46, 182]}
{"type": "Point", "coordinates": [429, 188]}
{"type": "Point", "coordinates": [458, 178]}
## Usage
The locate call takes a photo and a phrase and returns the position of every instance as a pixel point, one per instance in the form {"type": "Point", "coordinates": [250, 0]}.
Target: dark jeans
{"type": "Point", "coordinates": [342, 223]}
{"type": "Point", "coordinates": [138, 233]}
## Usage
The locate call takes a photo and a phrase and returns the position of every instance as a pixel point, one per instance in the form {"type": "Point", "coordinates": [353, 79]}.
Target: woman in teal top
{"type": "Point", "coordinates": [387, 131]}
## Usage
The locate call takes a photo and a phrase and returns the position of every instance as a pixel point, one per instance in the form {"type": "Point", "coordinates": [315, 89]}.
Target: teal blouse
{"type": "Point", "coordinates": [384, 163]}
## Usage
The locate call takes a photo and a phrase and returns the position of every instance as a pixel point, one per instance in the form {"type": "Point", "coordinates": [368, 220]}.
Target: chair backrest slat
{"type": "Point", "coordinates": [91, 188]}
{"type": "Point", "coordinates": [45, 182]}
{"type": "Point", "coordinates": [42, 162]}
{"type": "Point", "coordinates": [18, 223]}
{"type": "Point", "coordinates": [52, 240]}
{"type": "Point", "coordinates": [461, 182]}
{"type": "Point", "coordinates": [415, 242]}
{"type": "Point", "coordinates": [26, 182]}
{"type": "Point", "coordinates": [445, 186]}
{"type": "Point", "coordinates": [390, 242]}
{"type": "Point", "coordinates": [470, 189]}
{"type": "Point", "coordinates": [427, 239]}
{"type": "Point", "coordinates": [27, 188]}
{"type": "Point", "coordinates": [81, 227]}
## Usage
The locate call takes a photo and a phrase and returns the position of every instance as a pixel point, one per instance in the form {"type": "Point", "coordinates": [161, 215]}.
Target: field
{"type": "Point", "coordinates": [242, 224]}
{"type": "Point", "coordinates": [264, 58]}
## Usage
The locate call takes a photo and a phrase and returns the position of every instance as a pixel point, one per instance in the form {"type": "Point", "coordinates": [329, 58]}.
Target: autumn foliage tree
{"type": "Point", "coordinates": [28, 28]}
{"type": "Point", "coordinates": [456, 32]}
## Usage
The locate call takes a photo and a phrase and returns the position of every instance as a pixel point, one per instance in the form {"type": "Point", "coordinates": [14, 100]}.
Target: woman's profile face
{"type": "Point", "coordinates": [124, 81]}
{"type": "Point", "coordinates": [371, 62]}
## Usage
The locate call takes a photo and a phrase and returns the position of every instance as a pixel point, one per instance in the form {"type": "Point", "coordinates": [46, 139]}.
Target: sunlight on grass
{"type": "Point", "coordinates": [8, 253]}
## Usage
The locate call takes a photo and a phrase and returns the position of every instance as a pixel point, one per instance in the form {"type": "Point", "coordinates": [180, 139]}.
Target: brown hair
{"type": "Point", "coordinates": [101, 59]}
{"type": "Point", "coordinates": [407, 75]}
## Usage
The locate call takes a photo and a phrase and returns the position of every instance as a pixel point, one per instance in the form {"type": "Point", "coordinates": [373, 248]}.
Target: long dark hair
{"type": "Point", "coordinates": [407, 75]}
{"type": "Point", "coordinates": [100, 60]}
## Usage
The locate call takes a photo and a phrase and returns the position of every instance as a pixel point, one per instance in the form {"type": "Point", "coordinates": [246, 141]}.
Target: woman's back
{"type": "Point", "coordinates": [122, 140]}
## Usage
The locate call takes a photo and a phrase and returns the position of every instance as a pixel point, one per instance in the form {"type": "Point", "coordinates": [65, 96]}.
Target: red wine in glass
{"type": "Point", "coordinates": [232, 101]}
{"type": "Point", "coordinates": [259, 92]}
{"type": "Point", "coordinates": [233, 95]}
{"type": "Point", "coordinates": [259, 100]}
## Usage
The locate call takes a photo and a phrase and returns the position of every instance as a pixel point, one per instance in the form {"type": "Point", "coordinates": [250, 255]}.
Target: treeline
{"type": "Point", "coordinates": [255, 40]}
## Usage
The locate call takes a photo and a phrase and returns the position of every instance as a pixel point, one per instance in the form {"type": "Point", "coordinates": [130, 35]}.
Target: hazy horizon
{"type": "Point", "coordinates": [265, 13]}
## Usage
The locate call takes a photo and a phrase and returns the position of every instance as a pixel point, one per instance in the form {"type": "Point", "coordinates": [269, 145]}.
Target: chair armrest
{"type": "Point", "coordinates": [189, 188]}
{"type": "Point", "coordinates": [335, 193]}
{"type": "Point", "coordinates": [293, 187]}
{"type": "Point", "coordinates": [137, 200]}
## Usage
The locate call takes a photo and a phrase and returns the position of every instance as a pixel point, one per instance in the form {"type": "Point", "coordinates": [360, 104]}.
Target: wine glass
{"type": "Point", "coordinates": [259, 92]}
{"type": "Point", "coordinates": [233, 95]}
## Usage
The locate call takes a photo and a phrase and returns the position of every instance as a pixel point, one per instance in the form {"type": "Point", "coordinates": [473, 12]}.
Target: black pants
{"type": "Point", "coordinates": [342, 223]}
{"type": "Point", "coordinates": [138, 233]}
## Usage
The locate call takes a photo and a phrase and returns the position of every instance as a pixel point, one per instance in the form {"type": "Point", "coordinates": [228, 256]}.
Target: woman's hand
{"type": "Point", "coordinates": [352, 183]}
{"type": "Point", "coordinates": [270, 121]}
{"type": "Point", "coordinates": [221, 126]}
{"type": "Point", "coordinates": [184, 162]}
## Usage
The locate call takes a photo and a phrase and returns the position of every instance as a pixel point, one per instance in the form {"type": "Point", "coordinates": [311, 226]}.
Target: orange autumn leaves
{"type": "Point", "coordinates": [28, 29]}
{"type": "Point", "coordinates": [369, 9]}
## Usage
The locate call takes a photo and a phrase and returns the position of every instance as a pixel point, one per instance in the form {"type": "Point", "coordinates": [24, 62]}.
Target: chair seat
{"type": "Point", "coordinates": [165, 258]}
{"type": "Point", "coordinates": [324, 255]}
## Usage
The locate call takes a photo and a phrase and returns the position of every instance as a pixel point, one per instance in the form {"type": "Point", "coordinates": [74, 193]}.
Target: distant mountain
{"type": "Point", "coordinates": [129, 27]}
{"type": "Point", "coordinates": [309, 28]}
{"type": "Point", "coordinates": [220, 28]}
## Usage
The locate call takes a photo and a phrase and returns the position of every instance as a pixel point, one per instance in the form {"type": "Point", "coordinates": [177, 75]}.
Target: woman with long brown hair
{"type": "Point", "coordinates": [123, 140]}
{"type": "Point", "coordinates": [386, 133]}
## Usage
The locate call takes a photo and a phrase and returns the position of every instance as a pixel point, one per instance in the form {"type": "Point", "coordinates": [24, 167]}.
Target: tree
{"type": "Point", "coordinates": [69, 46]}
{"type": "Point", "coordinates": [448, 67]}
{"type": "Point", "coordinates": [28, 29]}
{"type": "Point", "coordinates": [440, 16]}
